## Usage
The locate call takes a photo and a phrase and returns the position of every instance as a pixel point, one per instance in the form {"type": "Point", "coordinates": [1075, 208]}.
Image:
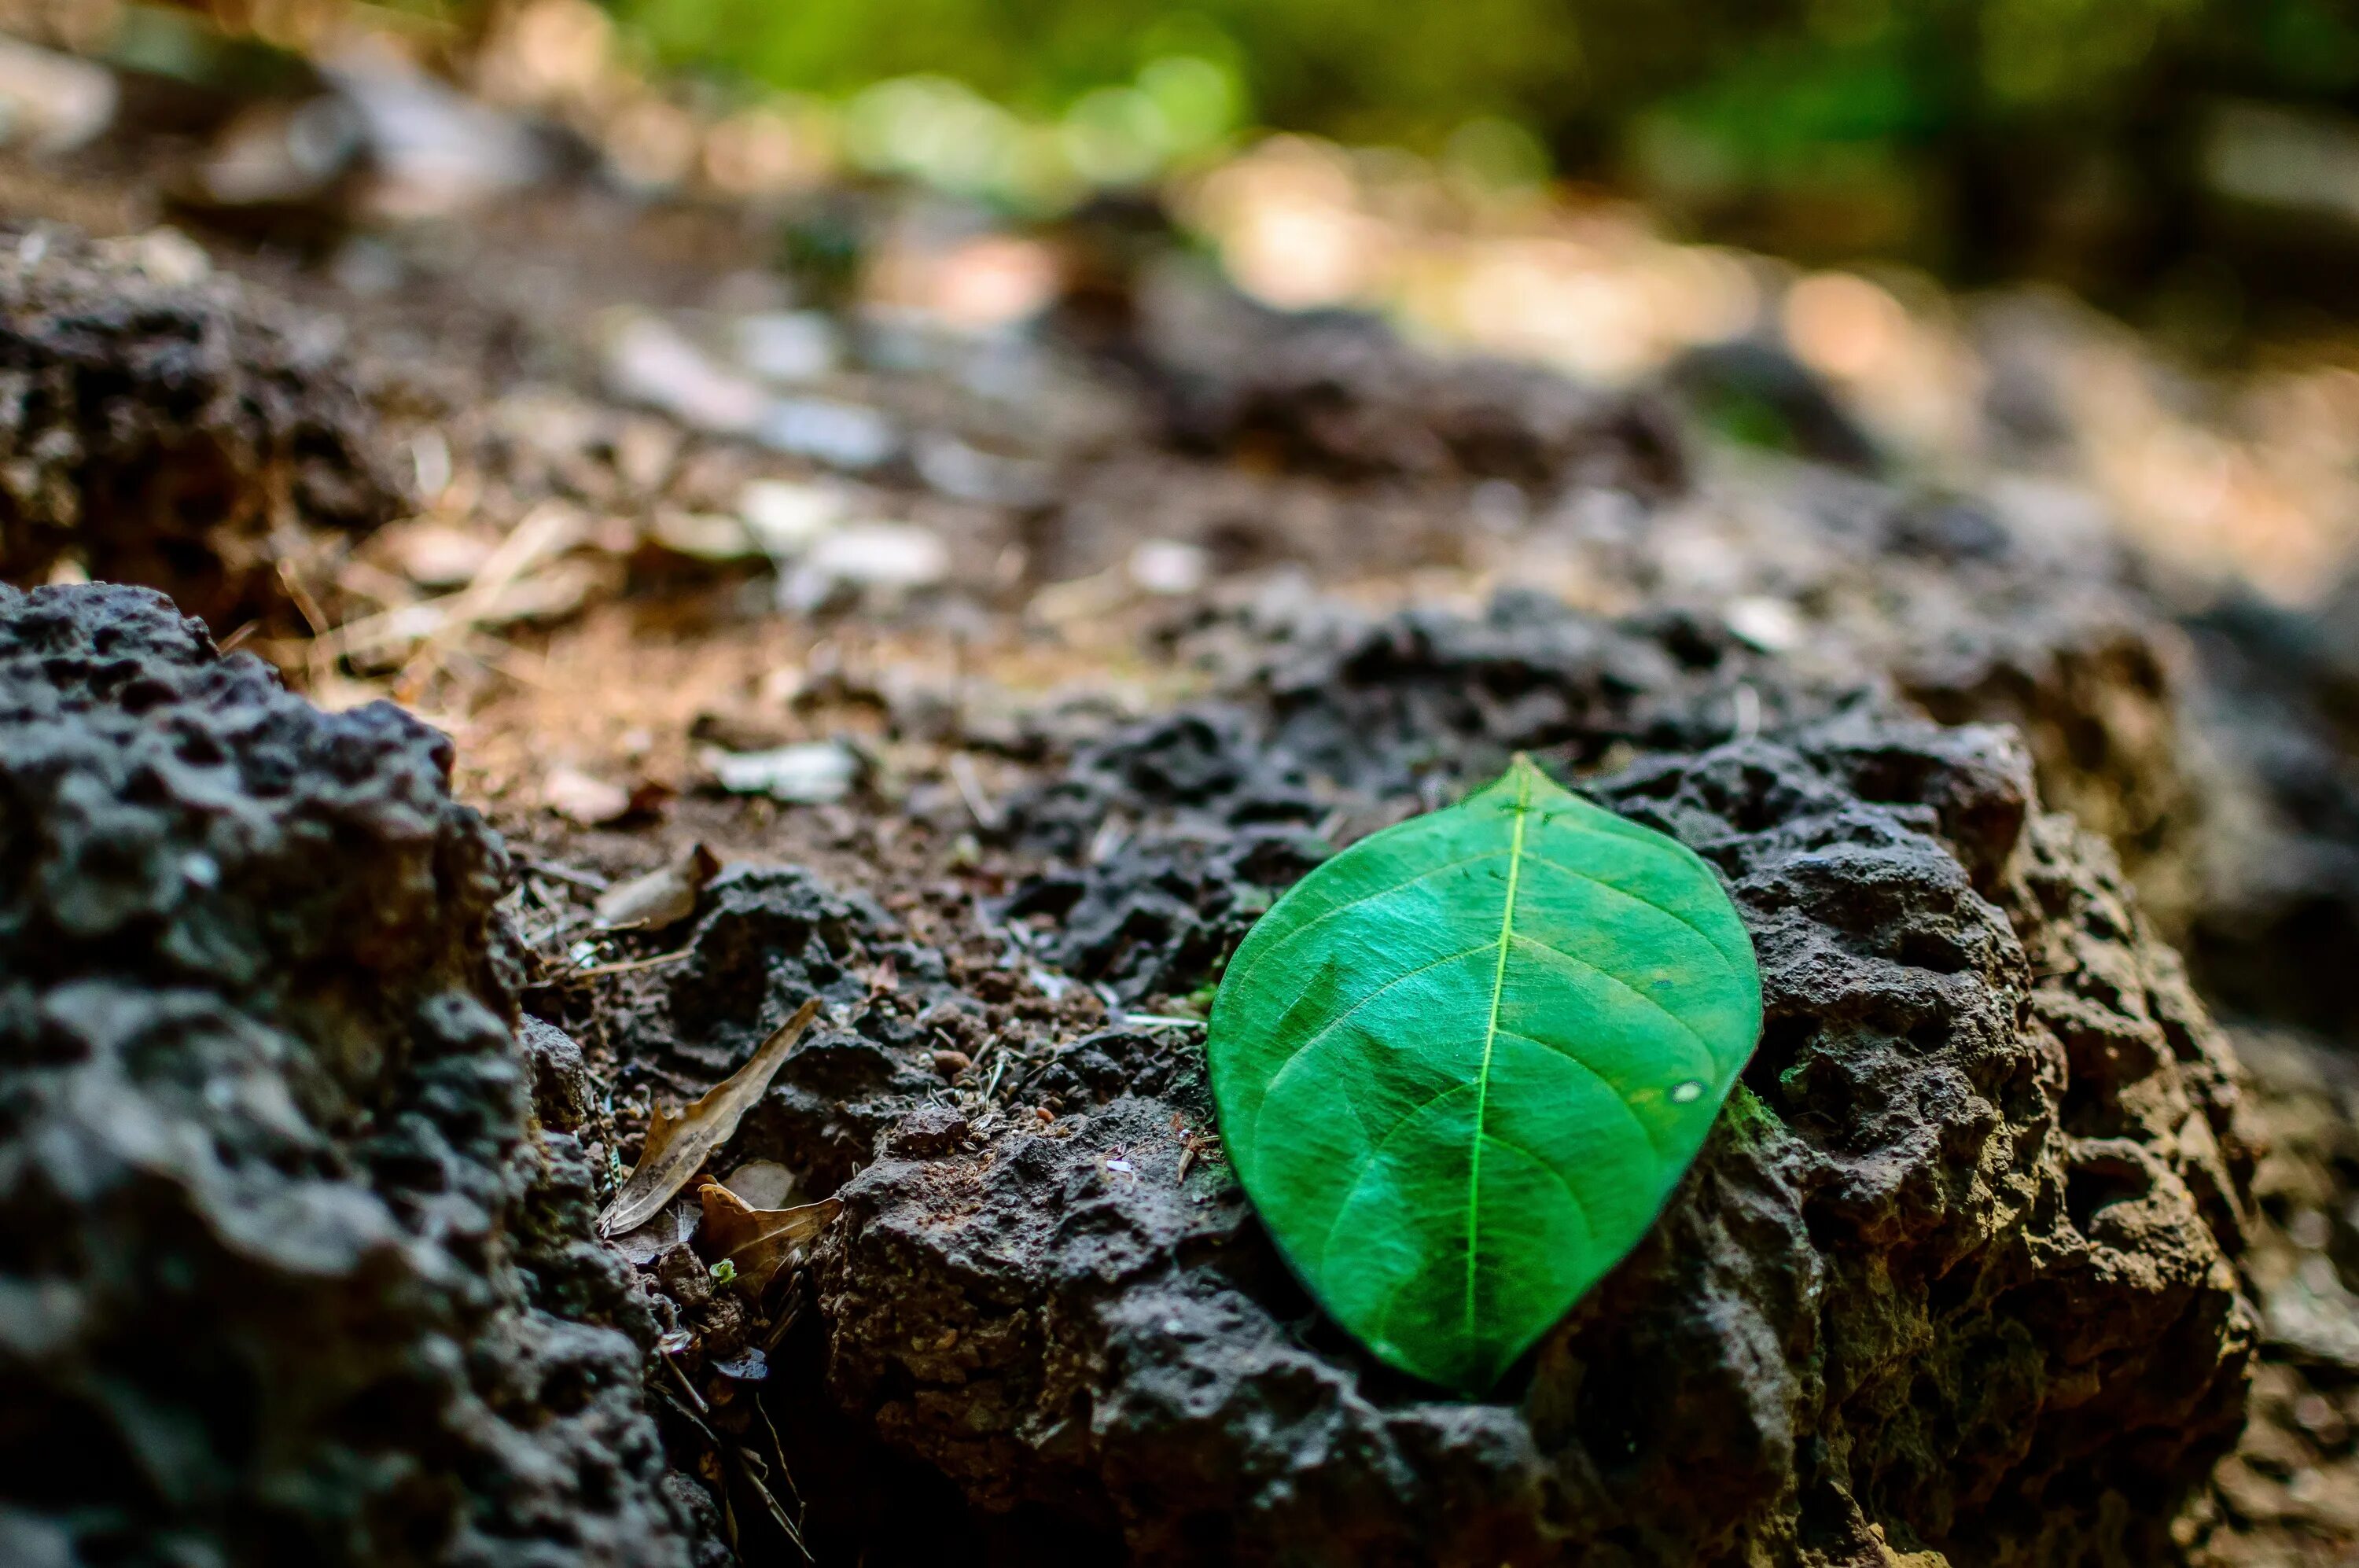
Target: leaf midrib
{"type": "Point", "coordinates": [1490, 1038]}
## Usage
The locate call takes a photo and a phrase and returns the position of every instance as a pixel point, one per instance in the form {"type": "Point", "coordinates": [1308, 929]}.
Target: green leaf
{"type": "Point", "coordinates": [1461, 1066]}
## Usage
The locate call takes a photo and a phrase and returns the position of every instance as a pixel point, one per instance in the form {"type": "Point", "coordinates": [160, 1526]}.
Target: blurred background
{"type": "Point", "coordinates": [1916, 202]}
{"type": "Point", "coordinates": [2188, 160]}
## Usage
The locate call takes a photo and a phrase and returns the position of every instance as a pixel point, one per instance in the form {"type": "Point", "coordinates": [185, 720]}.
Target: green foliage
{"type": "Point", "coordinates": [1461, 1066]}
{"type": "Point", "coordinates": [1945, 131]}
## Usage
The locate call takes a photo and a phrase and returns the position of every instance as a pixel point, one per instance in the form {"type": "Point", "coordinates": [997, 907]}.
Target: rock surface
{"type": "Point", "coordinates": [164, 426]}
{"type": "Point", "coordinates": [287, 1275]}
{"type": "Point", "coordinates": [2290, 1492]}
{"type": "Point", "coordinates": [1956, 1274]}
{"type": "Point", "coordinates": [1340, 395]}
{"type": "Point", "coordinates": [2276, 700]}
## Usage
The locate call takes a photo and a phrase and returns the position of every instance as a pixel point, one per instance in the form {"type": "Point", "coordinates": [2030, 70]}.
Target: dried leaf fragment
{"type": "Point", "coordinates": [764, 1184]}
{"type": "Point", "coordinates": [759, 1242]}
{"type": "Point", "coordinates": [809, 774]}
{"type": "Point", "coordinates": [671, 1224]}
{"type": "Point", "coordinates": [664, 896]}
{"type": "Point", "coordinates": [583, 798]}
{"type": "Point", "coordinates": [678, 1146]}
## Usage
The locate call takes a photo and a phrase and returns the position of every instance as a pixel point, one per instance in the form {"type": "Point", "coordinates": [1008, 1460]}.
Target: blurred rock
{"type": "Point", "coordinates": [173, 429]}
{"type": "Point", "coordinates": [838, 434]}
{"type": "Point", "coordinates": [790, 346]}
{"type": "Point", "coordinates": [805, 774]}
{"type": "Point", "coordinates": [432, 152]}
{"type": "Point", "coordinates": [647, 361]}
{"type": "Point", "coordinates": [1338, 395]}
{"type": "Point", "coordinates": [884, 559]}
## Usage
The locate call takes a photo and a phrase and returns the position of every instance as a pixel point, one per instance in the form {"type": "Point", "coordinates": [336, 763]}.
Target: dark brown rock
{"type": "Point", "coordinates": [164, 426]}
{"type": "Point", "coordinates": [1340, 396]}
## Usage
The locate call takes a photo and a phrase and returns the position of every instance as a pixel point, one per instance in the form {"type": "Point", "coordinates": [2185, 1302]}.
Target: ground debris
{"type": "Point", "coordinates": [664, 896]}
{"type": "Point", "coordinates": [677, 1145]}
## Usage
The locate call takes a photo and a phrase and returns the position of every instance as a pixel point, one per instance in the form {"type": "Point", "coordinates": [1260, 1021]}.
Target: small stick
{"type": "Point", "coordinates": [626, 965]}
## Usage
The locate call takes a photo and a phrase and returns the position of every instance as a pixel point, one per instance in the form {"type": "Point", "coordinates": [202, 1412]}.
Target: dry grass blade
{"type": "Point", "coordinates": [677, 1145]}
{"type": "Point", "coordinates": [545, 531]}
{"type": "Point", "coordinates": [759, 1242]}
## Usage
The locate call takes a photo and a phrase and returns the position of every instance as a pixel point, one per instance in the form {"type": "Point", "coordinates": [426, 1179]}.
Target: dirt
{"type": "Point", "coordinates": [1978, 1269]}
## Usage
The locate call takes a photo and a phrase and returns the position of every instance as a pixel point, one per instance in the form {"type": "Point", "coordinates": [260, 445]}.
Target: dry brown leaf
{"type": "Point", "coordinates": [671, 1224]}
{"type": "Point", "coordinates": [759, 1242]}
{"type": "Point", "coordinates": [663, 896]}
{"type": "Point", "coordinates": [677, 1146]}
{"type": "Point", "coordinates": [764, 1184]}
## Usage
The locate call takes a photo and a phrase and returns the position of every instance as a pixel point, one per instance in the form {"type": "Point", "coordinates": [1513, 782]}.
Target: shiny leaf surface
{"type": "Point", "coordinates": [1461, 1065]}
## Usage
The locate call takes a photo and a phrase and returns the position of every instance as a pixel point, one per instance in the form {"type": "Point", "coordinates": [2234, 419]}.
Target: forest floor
{"type": "Point", "coordinates": [707, 563]}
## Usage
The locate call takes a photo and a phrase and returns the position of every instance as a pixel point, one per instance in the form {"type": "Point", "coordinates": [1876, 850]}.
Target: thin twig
{"type": "Point", "coordinates": [780, 1448]}
{"type": "Point", "coordinates": [970, 789]}
{"type": "Point", "coordinates": [778, 1511]}
{"type": "Point", "coordinates": [626, 966]}
{"type": "Point", "coordinates": [590, 879]}
{"type": "Point", "coordinates": [686, 1388]}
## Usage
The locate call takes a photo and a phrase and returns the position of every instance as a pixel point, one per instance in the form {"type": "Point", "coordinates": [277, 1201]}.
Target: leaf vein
{"type": "Point", "coordinates": [1302, 1050]}
{"type": "Point", "coordinates": [1491, 1039]}
{"type": "Point", "coordinates": [1621, 984]}
{"type": "Point", "coordinates": [1557, 1176]}
{"type": "Point", "coordinates": [1361, 902]}
{"type": "Point", "coordinates": [1360, 1181]}
{"type": "Point", "coordinates": [1596, 881]}
{"type": "Point", "coordinates": [1574, 1057]}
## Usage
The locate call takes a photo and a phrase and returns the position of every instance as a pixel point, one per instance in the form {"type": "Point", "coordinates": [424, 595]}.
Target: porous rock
{"type": "Point", "coordinates": [1955, 1274]}
{"type": "Point", "coordinates": [2275, 705]}
{"type": "Point", "coordinates": [2290, 1492]}
{"type": "Point", "coordinates": [1339, 395]}
{"type": "Point", "coordinates": [163, 425]}
{"type": "Point", "coordinates": [766, 939]}
{"type": "Point", "coordinates": [287, 1275]}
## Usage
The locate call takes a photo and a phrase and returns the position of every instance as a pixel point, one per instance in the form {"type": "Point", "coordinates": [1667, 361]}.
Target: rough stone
{"type": "Point", "coordinates": [1339, 395]}
{"type": "Point", "coordinates": [2290, 1492]}
{"type": "Point", "coordinates": [286, 1275]}
{"type": "Point", "coordinates": [1956, 1273]}
{"type": "Point", "coordinates": [166, 427]}
{"type": "Point", "coordinates": [2276, 702]}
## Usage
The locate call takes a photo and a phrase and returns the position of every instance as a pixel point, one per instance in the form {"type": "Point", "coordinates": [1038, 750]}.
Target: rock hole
{"type": "Point", "coordinates": [2098, 1182]}
{"type": "Point", "coordinates": [1941, 951]}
